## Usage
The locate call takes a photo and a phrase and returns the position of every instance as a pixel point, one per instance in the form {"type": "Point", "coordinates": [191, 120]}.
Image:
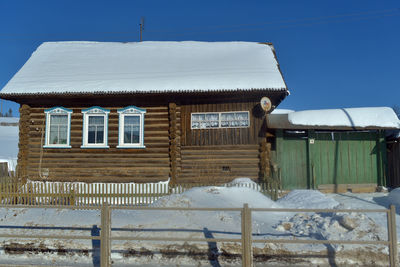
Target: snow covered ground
{"type": "Point", "coordinates": [226, 224]}
{"type": "Point", "coordinates": [9, 142]}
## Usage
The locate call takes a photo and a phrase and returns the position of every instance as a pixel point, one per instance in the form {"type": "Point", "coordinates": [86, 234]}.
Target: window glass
{"type": "Point", "coordinates": [58, 129]}
{"type": "Point", "coordinates": [204, 121]}
{"type": "Point", "coordinates": [96, 130]}
{"type": "Point", "coordinates": [220, 120]}
{"type": "Point", "coordinates": [131, 129]}
{"type": "Point", "coordinates": [235, 119]}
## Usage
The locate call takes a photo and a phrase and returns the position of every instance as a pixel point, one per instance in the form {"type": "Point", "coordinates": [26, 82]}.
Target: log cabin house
{"type": "Point", "coordinates": [145, 112]}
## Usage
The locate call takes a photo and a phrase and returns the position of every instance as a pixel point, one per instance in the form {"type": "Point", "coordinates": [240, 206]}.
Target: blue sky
{"type": "Point", "coordinates": [333, 54]}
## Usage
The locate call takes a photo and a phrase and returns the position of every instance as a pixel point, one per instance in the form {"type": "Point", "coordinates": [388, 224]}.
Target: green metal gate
{"type": "Point", "coordinates": [309, 159]}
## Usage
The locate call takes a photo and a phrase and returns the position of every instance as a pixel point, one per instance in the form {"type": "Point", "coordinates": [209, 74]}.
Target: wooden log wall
{"type": "Point", "coordinates": [172, 148]}
{"type": "Point", "coordinates": [224, 136]}
{"type": "Point", "coordinates": [220, 155]}
{"type": "Point", "coordinates": [151, 164]}
{"type": "Point", "coordinates": [219, 164]}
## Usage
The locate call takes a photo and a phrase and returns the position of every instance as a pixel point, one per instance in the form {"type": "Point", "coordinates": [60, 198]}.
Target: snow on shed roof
{"type": "Point", "coordinates": [282, 111]}
{"type": "Point", "coordinates": [341, 119]}
{"type": "Point", "coordinates": [110, 67]}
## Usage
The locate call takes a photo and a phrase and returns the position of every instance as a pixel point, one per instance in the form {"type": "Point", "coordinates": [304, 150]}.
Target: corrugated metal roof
{"type": "Point", "coordinates": [147, 67]}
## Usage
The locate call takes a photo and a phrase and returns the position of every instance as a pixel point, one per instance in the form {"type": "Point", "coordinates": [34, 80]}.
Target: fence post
{"type": "Point", "coordinates": [392, 236]}
{"type": "Point", "coordinates": [4, 170]}
{"type": "Point", "coordinates": [105, 242]}
{"type": "Point", "coordinates": [247, 257]}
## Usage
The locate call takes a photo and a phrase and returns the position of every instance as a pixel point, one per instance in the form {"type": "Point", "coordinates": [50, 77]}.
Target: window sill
{"type": "Point", "coordinates": [56, 146]}
{"type": "Point", "coordinates": [95, 146]}
{"type": "Point", "coordinates": [122, 146]}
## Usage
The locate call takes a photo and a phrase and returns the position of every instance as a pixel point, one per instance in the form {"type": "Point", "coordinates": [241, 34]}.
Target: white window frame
{"type": "Point", "coordinates": [57, 111]}
{"type": "Point", "coordinates": [219, 120]}
{"type": "Point", "coordinates": [129, 111]}
{"type": "Point", "coordinates": [94, 111]}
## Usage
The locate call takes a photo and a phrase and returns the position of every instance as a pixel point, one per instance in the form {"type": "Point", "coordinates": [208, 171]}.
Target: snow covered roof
{"type": "Point", "coordinates": [9, 119]}
{"type": "Point", "coordinates": [282, 111]}
{"type": "Point", "coordinates": [110, 67]}
{"type": "Point", "coordinates": [340, 119]}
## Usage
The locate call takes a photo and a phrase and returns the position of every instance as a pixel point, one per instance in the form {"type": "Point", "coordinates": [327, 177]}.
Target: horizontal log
{"type": "Point", "coordinates": [105, 161]}
{"type": "Point", "coordinates": [64, 173]}
{"type": "Point", "coordinates": [76, 115]}
{"type": "Point", "coordinates": [75, 121]}
{"type": "Point", "coordinates": [105, 170]}
{"type": "Point", "coordinates": [203, 180]}
{"type": "Point", "coordinates": [225, 156]}
{"type": "Point", "coordinates": [111, 123]}
{"type": "Point", "coordinates": [220, 161]}
{"type": "Point", "coordinates": [149, 149]}
{"type": "Point", "coordinates": [220, 147]}
{"type": "Point", "coordinates": [218, 169]}
{"type": "Point", "coordinates": [94, 166]}
{"type": "Point", "coordinates": [155, 131]}
{"type": "Point", "coordinates": [111, 139]}
{"type": "Point", "coordinates": [148, 109]}
{"type": "Point", "coordinates": [112, 148]}
{"type": "Point", "coordinates": [60, 154]}
{"type": "Point", "coordinates": [78, 128]}
{"type": "Point", "coordinates": [104, 179]}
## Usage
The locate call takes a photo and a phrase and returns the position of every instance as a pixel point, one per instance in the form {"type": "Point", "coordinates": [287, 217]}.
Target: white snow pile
{"type": "Point", "coordinates": [326, 226]}
{"type": "Point", "coordinates": [59, 67]}
{"type": "Point", "coordinates": [307, 199]}
{"type": "Point", "coordinates": [218, 197]}
{"type": "Point", "coordinates": [218, 224]}
{"type": "Point", "coordinates": [348, 117]}
{"type": "Point", "coordinates": [9, 145]}
{"type": "Point", "coordinates": [394, 197]}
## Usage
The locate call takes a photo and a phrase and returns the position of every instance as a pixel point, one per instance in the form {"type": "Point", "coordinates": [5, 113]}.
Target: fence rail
{"type": "Point", "coordinates": [84, 194]}
{"type": "Point", "coordinates": [246, 239]}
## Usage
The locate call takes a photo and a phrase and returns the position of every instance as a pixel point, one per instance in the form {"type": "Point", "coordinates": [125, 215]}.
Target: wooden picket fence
{"type": "Point", "coordinates": [84, 194]}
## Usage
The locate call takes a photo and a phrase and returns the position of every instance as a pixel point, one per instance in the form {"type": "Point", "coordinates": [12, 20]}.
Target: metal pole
{"type": "Point", "coordinates": [140, 31]}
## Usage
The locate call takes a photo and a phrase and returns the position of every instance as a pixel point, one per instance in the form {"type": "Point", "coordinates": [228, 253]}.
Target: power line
{"type": "Point", "coordinates": [290, 20]}
{"type": "Point", "coordinates": [277, 24]}
{"type": "Point", "coordinates": [294, 25]}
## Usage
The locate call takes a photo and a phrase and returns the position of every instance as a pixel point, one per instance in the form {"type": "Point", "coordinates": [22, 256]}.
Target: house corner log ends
{"type": "Point", "coordinates": [173, 143]}
{"type": "Point", "coordinates": [22, 168]}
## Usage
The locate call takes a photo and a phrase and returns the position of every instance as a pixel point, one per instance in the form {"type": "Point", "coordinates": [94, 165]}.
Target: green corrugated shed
{"type": "Point", "coordinates": [308, 159]}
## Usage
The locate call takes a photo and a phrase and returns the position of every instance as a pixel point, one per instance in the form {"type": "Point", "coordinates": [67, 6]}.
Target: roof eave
{"type": "Point", "coordinates": [15, 96]}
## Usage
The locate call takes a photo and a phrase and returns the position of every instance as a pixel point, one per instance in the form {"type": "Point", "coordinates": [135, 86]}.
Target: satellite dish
{"type": "Point", "coordinates": [266, 104]}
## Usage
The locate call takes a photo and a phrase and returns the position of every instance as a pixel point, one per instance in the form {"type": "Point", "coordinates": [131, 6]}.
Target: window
{"type": "Point", "coordinates": [58, 124]}
{"type": "Point", "coordinates": [131, 127]}
{"type": "Point", "coordinates": [205, 120]}
{"type": "Point", "coordinates": [235, 119]}
{"type": "Point", "coordinates": [95, 127]}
